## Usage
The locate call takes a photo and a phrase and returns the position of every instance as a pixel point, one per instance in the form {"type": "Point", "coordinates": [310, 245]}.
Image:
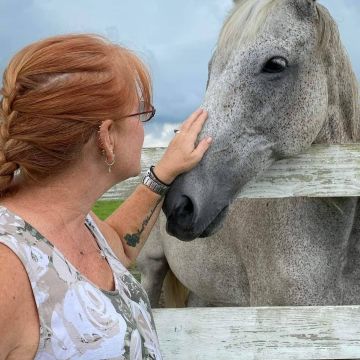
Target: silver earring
{"type": "Point", "coordinates": [111, 163]}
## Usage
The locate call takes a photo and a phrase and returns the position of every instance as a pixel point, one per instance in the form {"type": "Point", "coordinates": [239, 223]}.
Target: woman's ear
{"type": "Point", "coordinates": [106, 141]}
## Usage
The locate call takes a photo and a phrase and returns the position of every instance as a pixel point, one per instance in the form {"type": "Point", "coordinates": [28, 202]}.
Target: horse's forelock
{"type": "Point", "coordinates": [243, 23]}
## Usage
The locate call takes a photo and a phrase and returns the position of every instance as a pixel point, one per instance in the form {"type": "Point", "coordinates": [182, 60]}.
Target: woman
{"type": "Point", "coordinates": [71, 127]}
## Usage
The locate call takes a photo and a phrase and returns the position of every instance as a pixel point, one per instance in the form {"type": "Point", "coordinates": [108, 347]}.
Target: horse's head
{"type": "Point", "coordinates": [279, 80]}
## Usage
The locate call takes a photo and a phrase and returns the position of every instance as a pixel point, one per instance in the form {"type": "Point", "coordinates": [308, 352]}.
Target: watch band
{"type": "Point", "coordinates": [154, 184]}
{"type": "Point", "coordinates": [155, 177]}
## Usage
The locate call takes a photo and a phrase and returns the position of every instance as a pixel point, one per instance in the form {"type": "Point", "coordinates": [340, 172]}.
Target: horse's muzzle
{"type": "Point", "coordinates": [181, 217]}
{"type": "Point", "coordinates": [184, 220]}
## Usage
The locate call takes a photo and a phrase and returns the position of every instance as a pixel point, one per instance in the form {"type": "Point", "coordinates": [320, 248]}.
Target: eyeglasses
{"type": "Point", "coordinates": [143, 115]}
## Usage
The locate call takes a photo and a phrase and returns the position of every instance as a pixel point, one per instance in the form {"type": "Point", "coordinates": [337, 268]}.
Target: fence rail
{"type": "Point", "coordinates": [321, 171]}
{"type": "Point", "coordinates": [280, 333]}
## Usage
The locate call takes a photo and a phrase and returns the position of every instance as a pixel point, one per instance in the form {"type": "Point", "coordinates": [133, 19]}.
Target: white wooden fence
{"type": "Point", "coordinates": [277, 333]}
{"type": "Point", "coordinates": [321, 171]}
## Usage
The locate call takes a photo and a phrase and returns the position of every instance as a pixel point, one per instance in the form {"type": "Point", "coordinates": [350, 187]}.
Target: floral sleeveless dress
{"type": "Point", "coordinates": [78, 320]}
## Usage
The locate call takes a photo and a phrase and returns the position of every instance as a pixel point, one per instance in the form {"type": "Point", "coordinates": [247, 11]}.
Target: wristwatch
{"type": "Point", "coordinates": [154, 183]}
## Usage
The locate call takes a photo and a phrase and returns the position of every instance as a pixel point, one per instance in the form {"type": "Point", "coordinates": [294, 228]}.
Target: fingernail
{"type": "Point", "coordinates": [209, 140]}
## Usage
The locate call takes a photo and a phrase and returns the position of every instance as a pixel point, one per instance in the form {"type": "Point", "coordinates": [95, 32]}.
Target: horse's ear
{"type": "Point", "coordinates": [309, 2]}
{"type": "Point", "coordinates": [305, 8]}
{"type": "Point", "coordinates": [306, 3]}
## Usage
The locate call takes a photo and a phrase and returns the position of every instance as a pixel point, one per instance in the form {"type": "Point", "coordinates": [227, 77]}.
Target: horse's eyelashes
{"type": "Point", "coordinates": [275, 65]}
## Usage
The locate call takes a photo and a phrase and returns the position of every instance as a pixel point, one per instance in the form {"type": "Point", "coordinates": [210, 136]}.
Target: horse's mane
{"type": "Point", "coordinates": [245, 21]}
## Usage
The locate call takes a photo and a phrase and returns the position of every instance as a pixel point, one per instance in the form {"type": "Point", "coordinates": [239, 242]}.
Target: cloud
{"type": "Point", "coordinates": [160, 134]}
{"type": "Point", "coordinates": [20, 24]}
{"type": "Point", "coordinates": [176, 38]}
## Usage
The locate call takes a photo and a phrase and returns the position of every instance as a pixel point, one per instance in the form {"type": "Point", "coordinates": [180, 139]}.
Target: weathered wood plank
{"type": "Point", "coordinates": [321, 171]}
{"type": "Point", "coordinates": [280, 333]}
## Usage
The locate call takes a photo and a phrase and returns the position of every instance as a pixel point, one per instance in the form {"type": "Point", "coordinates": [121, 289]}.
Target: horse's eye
{"type": "Point", "coordinates": [275, 65]}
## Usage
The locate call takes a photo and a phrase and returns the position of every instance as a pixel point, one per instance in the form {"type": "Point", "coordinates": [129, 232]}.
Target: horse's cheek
{"type": "Point", "coordinates": [300, 123]}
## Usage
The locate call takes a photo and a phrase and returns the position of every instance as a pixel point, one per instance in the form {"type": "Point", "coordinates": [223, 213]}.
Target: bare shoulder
{"type": "Point", "coordinates": [19, 322]}
{"type": "Point", "coordinates": [113, 240]}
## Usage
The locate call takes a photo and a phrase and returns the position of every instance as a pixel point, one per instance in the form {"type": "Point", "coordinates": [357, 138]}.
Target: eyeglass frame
{"type": "Point", "coordinates": [152, 112]}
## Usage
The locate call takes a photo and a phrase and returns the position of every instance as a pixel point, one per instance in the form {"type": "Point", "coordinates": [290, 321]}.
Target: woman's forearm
{"type": "Point", "coordinates": [135, 218]}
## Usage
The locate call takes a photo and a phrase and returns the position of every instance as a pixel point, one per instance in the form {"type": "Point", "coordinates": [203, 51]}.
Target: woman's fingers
{"type": "Point", "coordinates": [189, 121]}
{"type": "Point", "coordinates": [193, 126]}
{"type": "Point", "coordinates": [197, 125]}
{"type": "Point", "coordinates": [182, 153]}
{"type": "Point", "coordinates": [202, 147]}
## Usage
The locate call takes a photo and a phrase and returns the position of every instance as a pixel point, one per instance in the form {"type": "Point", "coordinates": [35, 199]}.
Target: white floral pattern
{"type": "Point", "coordinates": [77, 319]}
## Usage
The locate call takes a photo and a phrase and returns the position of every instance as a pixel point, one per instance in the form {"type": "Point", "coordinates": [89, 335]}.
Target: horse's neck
{"type": "Point", "coordinates": [338, 128]}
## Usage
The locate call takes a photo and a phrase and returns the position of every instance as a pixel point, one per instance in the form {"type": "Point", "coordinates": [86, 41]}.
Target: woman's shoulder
{"type": "Point", "coordinates": [18, 315]}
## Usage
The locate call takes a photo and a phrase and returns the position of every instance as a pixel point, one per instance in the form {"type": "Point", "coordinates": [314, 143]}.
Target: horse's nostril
{"type": "Point", "coordinates": [187, 207]}
{"type": "Point", "coordinates": [183, 213]}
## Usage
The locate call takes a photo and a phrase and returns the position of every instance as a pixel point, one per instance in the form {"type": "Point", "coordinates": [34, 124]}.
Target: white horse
{"type": "Point", "coordinates": [279, 81]}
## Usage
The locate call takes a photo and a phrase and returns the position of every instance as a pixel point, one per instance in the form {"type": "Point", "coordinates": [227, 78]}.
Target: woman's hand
{"type": "Point", "coordinates": [182, 155]}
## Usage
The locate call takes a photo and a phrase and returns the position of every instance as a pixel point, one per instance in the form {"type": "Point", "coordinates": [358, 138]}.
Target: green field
{"type": "Point", "coordinates": [103, 208]}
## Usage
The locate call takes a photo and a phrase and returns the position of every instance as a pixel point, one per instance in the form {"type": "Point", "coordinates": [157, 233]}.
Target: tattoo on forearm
{"type": "Point", "coordinates": [134, 239]}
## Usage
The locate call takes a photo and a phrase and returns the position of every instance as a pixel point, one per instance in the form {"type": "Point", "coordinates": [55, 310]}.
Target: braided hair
{"type": "Point", "coordinates": [55, 94]}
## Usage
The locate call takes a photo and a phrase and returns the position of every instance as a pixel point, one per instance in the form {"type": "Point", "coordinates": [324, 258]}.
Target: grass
{"type": "Point", "coordinates": [103, 208]}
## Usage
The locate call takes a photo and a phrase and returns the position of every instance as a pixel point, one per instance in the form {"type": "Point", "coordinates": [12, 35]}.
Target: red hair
{"type": "Point", "coordinates": [56, 92]}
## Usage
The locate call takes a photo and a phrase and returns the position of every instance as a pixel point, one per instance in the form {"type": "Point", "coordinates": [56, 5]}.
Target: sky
{"type": "Point", "coordinates": [174, 38]}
